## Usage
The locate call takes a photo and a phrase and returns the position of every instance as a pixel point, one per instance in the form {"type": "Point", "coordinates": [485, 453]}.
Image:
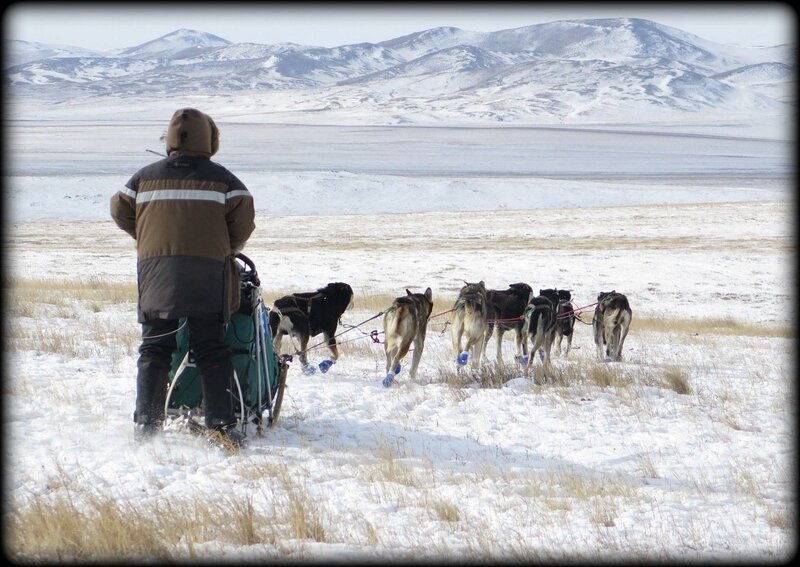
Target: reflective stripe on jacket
{"type": "Point", "coordinates": [188, 216]}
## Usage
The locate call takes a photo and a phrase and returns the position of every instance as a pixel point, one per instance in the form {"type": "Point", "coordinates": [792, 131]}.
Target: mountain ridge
{"type": "Point", "coordinates": [583, 64]}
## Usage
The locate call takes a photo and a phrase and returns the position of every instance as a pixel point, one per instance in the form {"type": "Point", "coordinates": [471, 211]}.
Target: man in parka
{"type": "Point", "coordinates": [189, 217]}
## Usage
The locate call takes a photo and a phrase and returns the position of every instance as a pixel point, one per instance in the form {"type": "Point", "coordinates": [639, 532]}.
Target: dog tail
{"type": "Point", "coordinates": [472, 308]}
{"type": "Point", "coordinates": [619, 316]}
{"type": "Point", "coordinates": [397, 324]}
{"type": "Point", "coordinates": [544, 314]}
{"type": "Point", "coordinates": [537, 316]}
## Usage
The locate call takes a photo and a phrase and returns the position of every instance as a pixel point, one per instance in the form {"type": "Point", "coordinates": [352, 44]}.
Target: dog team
{"type": "Point", "coordinates": [478, 313]}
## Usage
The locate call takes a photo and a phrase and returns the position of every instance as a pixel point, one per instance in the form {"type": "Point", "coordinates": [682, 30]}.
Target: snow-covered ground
{"type": "Point", "coordinates": [601, 461]}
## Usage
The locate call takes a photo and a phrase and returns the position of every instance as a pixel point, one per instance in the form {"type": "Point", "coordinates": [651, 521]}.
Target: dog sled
{"type": "Point", "coordinates": [259, 374]}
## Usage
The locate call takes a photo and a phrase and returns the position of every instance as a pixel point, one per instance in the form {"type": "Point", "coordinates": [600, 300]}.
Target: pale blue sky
{"type": "Point", "coordinates": [104, 27]}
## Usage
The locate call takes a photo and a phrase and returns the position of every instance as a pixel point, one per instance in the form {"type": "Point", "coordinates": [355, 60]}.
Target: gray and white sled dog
{"type": "Point", "coordinates": [469, 321]}
{"type": "Point", "coordinates": [612, 319]}
{"type": "Point", "coordinates": [404, 323]}
{"type": "Point", "coordinates": [540, 324]}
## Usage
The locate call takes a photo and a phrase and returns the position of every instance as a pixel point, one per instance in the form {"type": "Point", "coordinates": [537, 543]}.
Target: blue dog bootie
{"type": "Point", "coordinates": [397, 369]}
{"type": "Point", "coordinates": [326, 364]}
{"type": "Point", "coordinates": [309, 370]}
{"type": "Point", "coordinates": [462, 358]}
{"type": "Point", "coordinates": [523, 360]}
{"type": "Point", "coordinates": [388, 380]}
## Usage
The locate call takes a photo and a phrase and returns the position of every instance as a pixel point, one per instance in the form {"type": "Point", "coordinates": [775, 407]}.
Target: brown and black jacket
{"type": "Point", "coordinates": [188, 216]}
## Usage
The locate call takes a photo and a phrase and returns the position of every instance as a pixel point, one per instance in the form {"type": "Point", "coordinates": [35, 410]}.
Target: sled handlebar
{"type": "Point", "coordinates": [246, 261]}
{"type": "Point", "coordinates": [250, 275]}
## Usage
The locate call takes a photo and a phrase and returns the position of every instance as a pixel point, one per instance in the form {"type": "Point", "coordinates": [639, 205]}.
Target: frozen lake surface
{"type": "Point", "coordinates": [307, 169]}
{"type": "Point", "coordinates": [64, 148]}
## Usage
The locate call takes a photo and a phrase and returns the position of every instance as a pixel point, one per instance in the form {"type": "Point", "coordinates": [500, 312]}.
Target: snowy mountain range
{"type": "Point", "coordinates": [558, 69]}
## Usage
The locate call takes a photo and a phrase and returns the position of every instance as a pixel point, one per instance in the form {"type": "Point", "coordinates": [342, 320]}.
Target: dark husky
{"type": "Point", "coordinates": [505, 311]}
{"type": "Point", "coordinates": [565, 323]}
{"type": "Point", "coordinates": [406, 321]}
{"type": "Point", "coordinates": [540, 323]}
{"type": "Point", "coordinates": [612, 319]}
{"type": "Point", "coordinates": [469, 321]}
{"type": "Point", "coordinates": [307, 314]}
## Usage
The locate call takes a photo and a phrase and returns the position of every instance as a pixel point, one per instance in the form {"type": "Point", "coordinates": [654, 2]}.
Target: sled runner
{"type": "Point", "coordinates": [259, 375]}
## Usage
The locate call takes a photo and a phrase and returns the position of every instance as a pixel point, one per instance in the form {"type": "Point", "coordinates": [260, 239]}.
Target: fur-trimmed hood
{"type": "Point", "coordinates": [192, 132]}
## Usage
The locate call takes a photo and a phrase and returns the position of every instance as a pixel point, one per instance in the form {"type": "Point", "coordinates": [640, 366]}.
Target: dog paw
{"type": "Point", "coordinates": [397, 369]}
{"type": "Point", "coordinates": [522, 360]}
{"type": "Point", "coordinates": [388, 380]}
{"type": "Point", "coordinates": [326, 364]}
{"type": "Point", "coordinates": [462, 358]}
{"type": "Point", "coordinates": [309, 370]}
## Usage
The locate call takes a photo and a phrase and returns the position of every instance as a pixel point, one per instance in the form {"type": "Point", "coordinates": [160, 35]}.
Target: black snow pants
{"type": "Point", "coordinates": [212, 356]}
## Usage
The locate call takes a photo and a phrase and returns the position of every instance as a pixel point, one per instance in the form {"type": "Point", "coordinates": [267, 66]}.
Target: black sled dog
{"type": "Point", "coordinates": [565, 324]}
{"type": "Point", "coordinates": [307, 314]}
{"type": "Point", "coordinates": [505, 312]}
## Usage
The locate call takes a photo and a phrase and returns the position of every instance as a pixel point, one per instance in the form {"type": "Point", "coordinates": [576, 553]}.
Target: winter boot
{"type": "Point", "coordinates": [151, 395]}
{"type": "Point", "coordinates": [218, 402]}
{"type": "Point", "coordinates": [224, 430]}
{"type": "Point", "coordinates": [218, 392]}
{"type": "Point", "coordinates": [145, 428]}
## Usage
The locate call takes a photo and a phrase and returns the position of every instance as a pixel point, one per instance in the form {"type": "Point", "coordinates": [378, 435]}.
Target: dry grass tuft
{"type": "Point", "coordinates": [390, 469]}
{"type": "Point", "coordinates": [606, 375]}
{"type": "Point", "coordinates": [598, 495]}
{"type": "Point", "coordinates": [603, 513]}
{"type": "Point", "coordinates": [583, 487]}
{"type": "Point", "coordinates": [76, 314]}
{"type": "Point", "coordinates": [70, 521]}
{"type": "Point", "coordinates": [677, 380]}
{"type": "Point", "coordinates": [60, 530]}
{"type": "Point", "coordinates": [57, 292]}
{"type": "Point", "coordinates": [488, 375]}
{"type": "Point", "coordinates": [305, 517]}
{"type": "Point", "coordinates": [647, 466]}
{"type": "Point", "coordinates": [781, 519]}
{"type": "Point", "coordinates": [745, 479]}
{"type": "Point", "coordinates": [445, 510]}
{"type": "Point", "coordinates": [355, 344]}
{"type": "Point", "coordinates": [86, 338]}
{"type": "Point", "coordinates": [709, 326]}
{"type": "Point", "coordinates": [103, 528]}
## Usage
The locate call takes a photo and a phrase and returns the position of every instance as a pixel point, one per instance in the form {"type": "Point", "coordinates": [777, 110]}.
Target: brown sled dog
{"type": "Point", "coordinates": [406, 321]}
{"type": "Point", "coordinates": [469, 321]}
{"type": "Point", "coordinates": [612, 319]}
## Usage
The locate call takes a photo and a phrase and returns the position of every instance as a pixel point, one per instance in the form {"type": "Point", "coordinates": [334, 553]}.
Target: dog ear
{"type": "Point", "coordinates": [429, 295]}
{"type": "Point", "coordinates": [408, 292]}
